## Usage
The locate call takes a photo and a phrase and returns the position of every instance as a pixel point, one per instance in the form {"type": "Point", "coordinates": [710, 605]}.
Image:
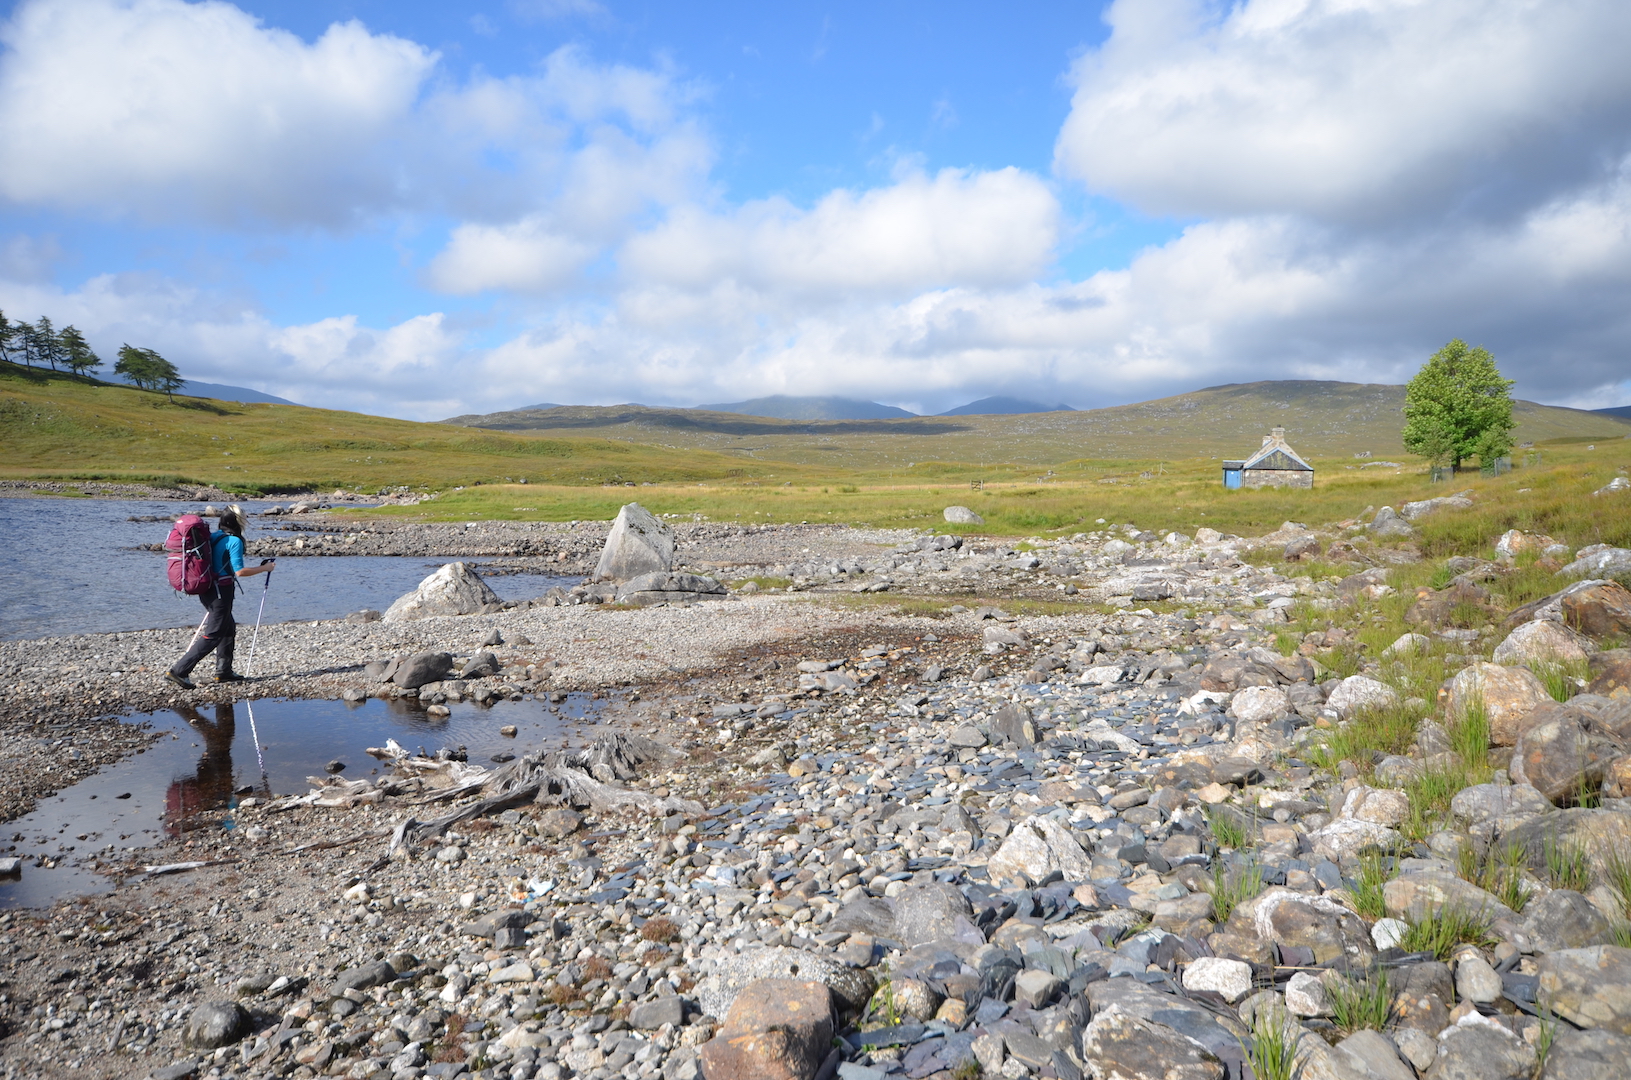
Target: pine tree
{"type": "Point", "coordinates": [76, 351]}
{"type": "Point", "coordinates": [45, 342]}
{"type": "Point", "coordinates": [8, 339]}
{"type": "Point", "coordinates": [1458, 406]}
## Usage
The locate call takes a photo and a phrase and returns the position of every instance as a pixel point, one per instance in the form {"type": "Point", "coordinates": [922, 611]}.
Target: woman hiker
{"type": "Point", "coordinates": [219, 632]}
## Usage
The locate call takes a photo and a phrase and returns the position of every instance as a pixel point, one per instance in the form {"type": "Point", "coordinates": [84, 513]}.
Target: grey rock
{"type": "Point", "coordinates": [1181, 1015]}
{"type": "Point", "coordinates": [1484, 802]}
{"type": "Point", "coordinates": [1476, 981]}
{"type": "Point", "coordinates": [481, 665]}
{"type": "Point", "coordinates": [1587, 1055]}
{"type": "Point", "coordinates": [1416, 1047]}
{"type": "Point", "coordinates": [215, 1024]}
{"type": "Point", "coordinates": [366, 615]}
{"type": "Point", "coordinates": [422, 668]}
{"type": "Point", "coordinates": [1120, 1045]}
{"type": "Point", "coordinates": [1561, 758]}
{"type": "Point", "coordinates": [1013, 724]}
{"type": "Point", "coordinates": [1035, 987]}
{"type": "Point", "coordinates": [1388, 523]}
{"type": "Point", "coordinates": [1370, 1055]}
{"type": "Point", "coordinates": [1478, 1048]}
{"type": "Point", "coordinates": [1415, 511]}
{"type": "Point", "coordinates": [664, 587]}
{"type": "Point", "coordinates": [962, 515]}
{"type": "Point", "coordinates": [455, 589]}
{"type": "Point", "coordinates": [1590, 987]}
{"type": "Point", "coordinates": [363, 977]}
{"type": "Point", "coordinates": [639, 543]}
{"type": "Point", "coordinates": [966, 735]}
{"type": "Point", "coordinates": [1564, 919]}
{"type": "Point", "coordinates": [851, 987]}
{"type": "Point", "coordinates": [651, 1015]}
{"type": "Point", "coordinates": [1230, 978]}
{"type": "Point", "coordinates": [180, 1070]}
{"type": "Point", "coordinates": [1599, 833]}
{"type": "Point", "coordinates": [935, 911]}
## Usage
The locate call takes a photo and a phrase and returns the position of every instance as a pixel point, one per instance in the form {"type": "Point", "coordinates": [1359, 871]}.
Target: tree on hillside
{"type": "Point", "coordinates": [1458, 406]}
{"type": "Point", "coordinates": [76, 351]}
{"type": "Point", "coordinates": [46, 347]}
{"type": "Point", "coordinates": [8, 339]}
{"type": "Point", "coordinates": [148, 370]}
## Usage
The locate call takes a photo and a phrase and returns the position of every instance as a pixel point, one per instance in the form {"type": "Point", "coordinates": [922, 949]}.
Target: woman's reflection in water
{"type": "Point", "coordinates": [211, 784]}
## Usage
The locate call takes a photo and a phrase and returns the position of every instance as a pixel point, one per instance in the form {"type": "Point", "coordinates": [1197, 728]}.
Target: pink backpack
{"type": "Point", "coordinates": [190, 565]}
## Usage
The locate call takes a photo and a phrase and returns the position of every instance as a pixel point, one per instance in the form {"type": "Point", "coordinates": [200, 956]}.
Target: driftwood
{"type": "Point", "coordinates": [555, 779]}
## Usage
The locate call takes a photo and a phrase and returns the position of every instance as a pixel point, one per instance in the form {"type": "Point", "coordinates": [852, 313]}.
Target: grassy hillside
{"type": "Point", "coordinates": [1323, 419]}
{"type": "Point", "coordinates": [57, 426]}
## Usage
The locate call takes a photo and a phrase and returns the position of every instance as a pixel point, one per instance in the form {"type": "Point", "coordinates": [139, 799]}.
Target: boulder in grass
{"type": "Point", "coordinates": [1507, 694]}
{"type": "Point", "coordinates": [962, 515]}
{"type": "Point", "coordinates": [1543, 641]}
{"type": "Point", "coordinates": [1358, 693]}
{"type": "Point", "coordinates": [1600, 610]}
{"type": "Point", "coordinates": [1562, 757]}
{"type": "Point", "coordinates": [455, 589]}
{"type": "Point", "coordinates": [639, 543]}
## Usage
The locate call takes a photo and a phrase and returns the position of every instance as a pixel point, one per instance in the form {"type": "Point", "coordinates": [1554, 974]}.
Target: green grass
{"type": "Point", "coordinates": [1430, 794]}
{"type": "Point", "coordinates": [1272, 1051]}
{"type": "Point", "coordinates": [1227, 831]}
{"type": "Point", "coordinates": [1567, 865]}
{"type": "Point", "coordinates": [1357, 1004]}
{"type": "Point", "coordinates": [1499, 873]}
{"type": "Point", "coordinates": [1373, 731]}
{"type": "Point", "coordinates": [1562, 679]}
{"type": "Point", "coordinates": [1234, 887]}
{"type": "Point", "coordinates": [1617, 875]}
{"type": "Point", "coordinates": [1375, 871]}
{"type": "Point", "coordinates": [1444, 930]}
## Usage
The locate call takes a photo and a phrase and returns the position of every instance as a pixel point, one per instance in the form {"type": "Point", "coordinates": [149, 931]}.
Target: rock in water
{"type": "Point", "coordinates": [962, 515]}
{"type": "Point", "coordinates": [638, 544]}
{"type": "Point", "coordinates": [455, 589]}
{"type": "Point", "coordinates": [215, 1024]}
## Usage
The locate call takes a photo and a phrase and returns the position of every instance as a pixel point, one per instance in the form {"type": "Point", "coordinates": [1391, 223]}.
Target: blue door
{"type": "Point", "coordinates": [1231, 478]}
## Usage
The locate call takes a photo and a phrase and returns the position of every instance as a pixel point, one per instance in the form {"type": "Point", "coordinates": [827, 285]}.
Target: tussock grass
{"type": "Point", "coordinates": [1441, 932]}
{"type": "Point", "coordinates": [1567, 864]}
{"type": "Point", "coordinates": [1499, 873]}
{"type": "Point", "coordinates": [1562, 679]}
{"type": "Point", "coordinates": [1227, 830]}
{"type": "Point", "coordinates": [1272, 1050]}
{"type": "Point", "coordinates": [1234, 887]}
{"type": "Point", "coordinates": [1617, 875]}
{"type": "Point", "coordinates": [1357, 1004]}
{"type": "Point", "coordinates": [1375, 871]}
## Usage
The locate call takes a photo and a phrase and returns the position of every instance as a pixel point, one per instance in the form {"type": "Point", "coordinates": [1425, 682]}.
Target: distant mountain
{"type": "Point", "coordinates": [1621, 411]}
{"type": "Point", "coordinates": [223, 392]}
{"type": "Point", "coordinates": [1003, 406]}
{"type": "Point", "coordinates": [782, 407]}
{"type": "Point", "coordinates": [540, 405]}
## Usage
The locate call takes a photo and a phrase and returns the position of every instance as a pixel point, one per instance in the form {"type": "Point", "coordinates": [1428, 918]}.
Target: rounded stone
{"type": "Point", "coordinates": [1230, 978]}
{"type": "Point", "coordinates": [215, 1024]}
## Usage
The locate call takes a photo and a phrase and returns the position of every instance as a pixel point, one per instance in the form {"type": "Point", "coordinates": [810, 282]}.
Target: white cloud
{"type": "Point", "coordinates": [957, 227]}
{"type": "Point", "coordinates": [524, 257]}
{"type": "Point", "coordinates": [170, 109]}
{"type": "Point", "coordinates": [1352, 110]}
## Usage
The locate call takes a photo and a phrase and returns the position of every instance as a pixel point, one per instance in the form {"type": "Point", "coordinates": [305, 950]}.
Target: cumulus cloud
{"type": "Point", "coordinates": [957, 227]}
{"type": "Point", "coordinates": [154, 105]}
{"type": "Point", "coordinates": [1351, 110]}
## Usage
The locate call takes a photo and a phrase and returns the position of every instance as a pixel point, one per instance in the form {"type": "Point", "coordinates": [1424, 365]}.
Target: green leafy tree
{"type": "Point", "coordinates": [76, 351]}
{"type": "Point", "coordinates": [1458, 406]}
{"type": "Point", "coordinates": [46, 348]}
{"type": "Point", "coordinates": [148, 370]}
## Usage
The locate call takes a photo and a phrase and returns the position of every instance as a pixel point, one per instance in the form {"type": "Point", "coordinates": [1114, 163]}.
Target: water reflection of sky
{"type": "Point", "coordinates": [74, 570]}
{"type": "Point", "coordinates": [205, 761]}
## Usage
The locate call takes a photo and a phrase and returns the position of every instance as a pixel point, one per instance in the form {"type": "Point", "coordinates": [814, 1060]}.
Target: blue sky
{"type": "Point", "coordinates": [424, 210]}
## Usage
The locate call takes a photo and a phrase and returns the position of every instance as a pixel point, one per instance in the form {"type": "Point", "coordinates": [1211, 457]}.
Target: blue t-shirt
{"type": "Point", "coordinates": [227, 553]}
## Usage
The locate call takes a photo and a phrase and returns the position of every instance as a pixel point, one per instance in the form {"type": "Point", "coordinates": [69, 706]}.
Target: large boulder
{"type": "Point", "coordinates": [422, 668]}
{"type": "Point", "coordinates": [934, 911]}
{"type": "Point", "coordinates": [1119, 1045]}
{"type": "Point", "coordinates": [1598, 559]}
{"type": "Point", "coordinates": [455, 589]}
{"type": "Point", "coordinates": [1357, 693]}
{"type": "Point", "coordinates": [1611, 673]}
{"type": "Point", "coordinates": [660, 587]}
{"type": "Point", "coordinates": [777, 1029]}
{"type": "Point", "coordinates": [1508, 696]}
{"type": "Point", "coordinates": [1542, 641]}
{"type": "Point", "coordinates": [1299, 920]}
{"type": "Point", "coordinates": [215, 1024]}
{"type": "Point", "coordinates": [1587, 1055]}
{"type": "Point", "coordinates": [1601, 834]}
{"type": "Point", "coordinates": [1422, 894]}
{"type": "Point", "coordinates": [851, 987]}
{"type": "Point", "coordinates": [1565, 919]}
{"type": "Point", "coordinates": [638, 544]}
{"type": "Point", "coordinates": [1590, 987]}
{"type": "Point", "coordinates": [1562, 757]}
{"type": "Point", "coordinates": [1035, 849]}
{"type": "Point", "coordinates": [1600, 610]}
{"type": "Point", "coordinates": [1478, 1048]}
{"type": "Point", "coordinates": [962, 515]}
{"type": "Point", "coordinates": [1415, 511]}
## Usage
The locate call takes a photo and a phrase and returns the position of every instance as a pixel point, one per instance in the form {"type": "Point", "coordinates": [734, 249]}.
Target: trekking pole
{"type": "Point", "coordinates": [256, 638]}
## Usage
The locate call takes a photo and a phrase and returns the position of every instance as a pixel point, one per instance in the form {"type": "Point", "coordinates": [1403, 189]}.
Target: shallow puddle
{"type": "Point", "coordinates": [193, 776]}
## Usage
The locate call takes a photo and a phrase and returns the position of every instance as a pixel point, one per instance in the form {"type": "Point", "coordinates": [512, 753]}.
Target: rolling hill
{"type": "Point", "coordinates": [1003, 406]}
{"type": "Point", "coordinates": [1325, 419]}
{"type": "Point", "coordinates": [782, 407]}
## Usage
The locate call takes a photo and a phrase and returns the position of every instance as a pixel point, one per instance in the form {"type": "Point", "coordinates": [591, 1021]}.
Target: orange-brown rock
{"type": "Point", "coordinates": [777, 1029]}
{"type": "Point", "coordinates": [1599, 611]}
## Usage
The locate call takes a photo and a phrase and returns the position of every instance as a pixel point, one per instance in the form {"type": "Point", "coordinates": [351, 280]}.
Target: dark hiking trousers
{"type": "Point", "coordinates": [219, 635]}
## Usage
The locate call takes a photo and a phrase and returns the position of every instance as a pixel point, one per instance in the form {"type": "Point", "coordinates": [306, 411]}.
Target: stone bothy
{"type": "Point", "coordinates": [1274, 465]}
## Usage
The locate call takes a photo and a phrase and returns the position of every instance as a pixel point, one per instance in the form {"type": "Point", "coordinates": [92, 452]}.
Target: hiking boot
{"type": "Point", "coordinates": [178, 680]}
{"type": "Point", "coordinates": [229, 676]}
